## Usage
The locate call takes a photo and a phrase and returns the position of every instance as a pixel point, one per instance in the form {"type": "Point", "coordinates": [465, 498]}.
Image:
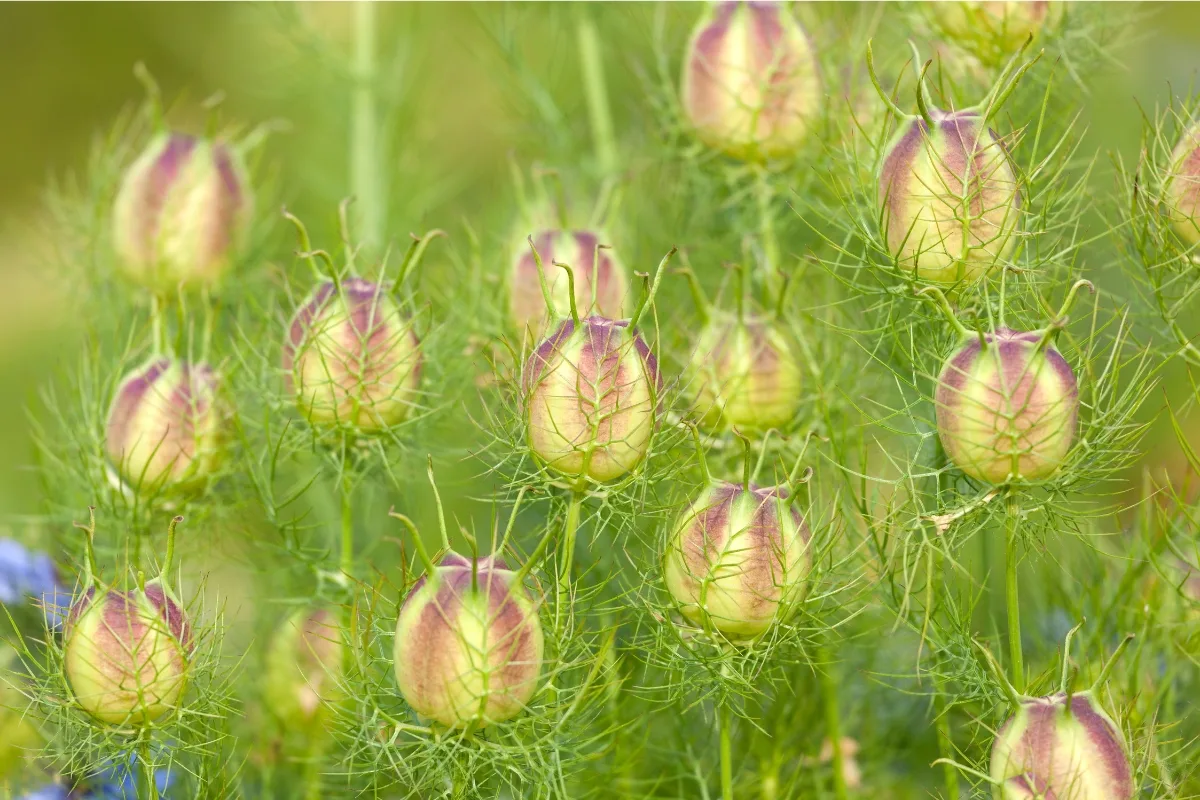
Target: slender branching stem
{"type": "Point", "coordinates": [766, 232]}
{"type": "Point", "coordinates": [725, 723]}
{"type": "Point", "coordinates": [833, 721]}
{"type": "Point", "coordinates": [366, 161]}
{"type": "Point", "coordinates": [567, 557]}
{"type": "Point", "coordinates": [147, 764]}
{"type": "Point", "coordinates": [1012, 522]}
{"type": "Point", "coordinates": [599, 112]}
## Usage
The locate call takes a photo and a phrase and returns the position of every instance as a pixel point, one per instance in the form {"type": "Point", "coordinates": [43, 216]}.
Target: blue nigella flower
{"type": "Point", "coordinates": [27, 573]}
{"type": "Point", "coordinates": [121, 780]}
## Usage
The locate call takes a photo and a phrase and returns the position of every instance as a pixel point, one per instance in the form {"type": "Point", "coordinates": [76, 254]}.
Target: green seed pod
{"type": "Point", "coordinates": [126, 654]}
{"type": "Point", "coordinates": [352, 357]}
{"type": "Point", "coordinates": [181, 213]}
{"type": "Point", "coordinates": [1004, 25]}
{"type": "Point", "coordinates": [737, 559]}
{"type": "Point", "coordinates": [948, 197]}
{"type": "Point", "coordinates": [468, 648]}
{"type": "Point", "coordinates": [167, 427]}
{"type": "Point", "coordinates": [1007, 408]}
{"type": "Point", "coordinates": [591, 398]}
{"type": "Point", "coordinates": [751, 82]}
{"type": "Point", "coordinates": [1182, 196]}
{"type": "Point", "coordinates": [745, 375]}
{"type": "Point", "coordinates": [304, 665]}
{"type": "Point", "coordinates": [1062, 748]}
{"type": "Point", "coordinates": [599, 277]}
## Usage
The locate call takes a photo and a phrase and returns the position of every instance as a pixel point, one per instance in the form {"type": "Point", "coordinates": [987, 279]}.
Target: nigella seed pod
{"type": "Point", "coordinates": [469, 645]}
{"type": "Point", "coordinates": [181, 213]}
{"type": "Point", "coordinates": [1061, 747]}
{"type": "Point", "coordinates": [1183, 186]}
{"type": "Point", "coordinates": [751, 82]}
{"type": "Point", "coordinates": [1007, 407]}
{"type": "Point", "coordinates": [352, 357]}
{"type": "Point", "coordinates": [591, 398]}
{"type": "Point", "coordinates": [737, 559]}
{"type": "Point", "coordinates": [948, 197]}
{"type": "Point", "coordinates": [1003, 24]}
{"type": "Point", "coordinates": [599, 277]}
{"type": "Point", "coordinates": [745, 375]}
{"type": "Point", "coordinates": [304, 666]}
{"type": "Point", "coordinates": [126, 654]}
{"type": "Point", "coordinates": [167, 427]}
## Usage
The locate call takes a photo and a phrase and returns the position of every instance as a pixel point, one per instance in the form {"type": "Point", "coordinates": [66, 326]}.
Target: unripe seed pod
{"type": "Point", "coordinates": [737, 558]}
{"type": "Point", "coordinates": [304, 665]}
{"type": "Point", "coordinates": [745, 375]}
{"type": "Point", "coordinates": [468, 644]}
{"type": "Point", "coordinates": [167, 427]}
{"type": "Point", "coordinates": [591, 398]}
{"type": "Point", "coordinates": [600, 282]}
{"type": "Point", "coordinates": [948, 197]}
{"type": "Point", "coordinates": [125, 654]}
{"type": "Point", "coordinates": [181, 213]}
{"type": "Point", "coordinates": [1008, 408]}
{"type": "Point", "coordinates": [1183, 186]}
{"type": "Point", "coordinates": [1048, 749]}
{"type": "Point", "coordinates": [352, 357]}
{"type": "Point", "coordinates": [751, 81]}
{"type": "Point", "coordinates": [1003, 24]}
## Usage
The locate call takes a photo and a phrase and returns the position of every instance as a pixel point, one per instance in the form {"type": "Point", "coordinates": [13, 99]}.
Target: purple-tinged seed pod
{"type": "Point", "coordinates": [737, 559]}
{"type": "Point", "coordinates": [167, 426]}
{"type": "Point", "coordinates": [352, 357]}
{"type": "Point", "coordinates": [1004, 25]}
{"type": "Point", "coordinates": [1061, 747]}
{"type": "Point", "coordinates": [469, 647]}
{"type": "Point", "coordinates": [304, 666]}
{"type": "Point", "coordinates": [591, 394]}
{"type": "Point", "coordinates": [1007, 408]}
{"type": "Point", "coordinates": [745, 374]}
{"type": "Point", "coordinates": [948, 197]}
{"type": "Point", "coordinates": [600, 282]}
{"type": "Point", "coordinates": [751, 83]}
{"type": "Point", "coordinates": [1183, 186]}
{"type": "Point", "coordinates": [181, 213]}
{"type": "Point", "coordinates": [126, 654]}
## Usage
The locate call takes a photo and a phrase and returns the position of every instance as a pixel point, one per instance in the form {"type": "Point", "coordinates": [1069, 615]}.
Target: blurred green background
{"type": "Point", "coordinates": [66, 71]}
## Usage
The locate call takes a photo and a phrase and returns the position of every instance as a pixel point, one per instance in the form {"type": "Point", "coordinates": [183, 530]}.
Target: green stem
{"type": "Point", "coordinates": [1012, 598]}
{"type": "Point", "coordinates": [833, 722]}
{"type": "Point", "coordinates": [766, 230]}
{"type": "Point", "coordinates": [366, 163]}
{"type": "Point", "coordinates": [726, 724]}
{"type": "Point", "coordinates": [147, 765]}
{"type": "Point", "coordinates": [946, 746]}
{"type": "Point", "coordinates": [596, 91]}
{"type": "Point", "coordinates": [567, 554]}
{"type": "Point", "coordinates": [312, 771]}
{"type": "Point", "coordinates": [347, 562]}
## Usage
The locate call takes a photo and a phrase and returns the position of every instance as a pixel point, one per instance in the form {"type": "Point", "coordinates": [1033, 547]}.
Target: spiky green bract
{"type": "Point", "coordinates": [167, 427]}
{"type": "Point", "coordinates": [745, 374]}
{"type": "Point", "coordinates": [1063, 747]}
{"type": "Point", "coordinates": [737, 558]}
{"type": "Point", "coordinates": [304, 666]}
{"type": "Point", "coordinates": [126, 654]}
{"type": "Point", "coordinates": [751, 81]}
{"type": "Point", "coordinates": [599, 277]}
{"type": "Point", "coordinates": [590, 393]}
{"type": "Point", "coordinates": [1007, 407]}
{"type": "Point", "coordinates": [1002, 25]}
{"type": "Point", "coordinates": [1182, 186]}
{"type": "Point", "coordinates": [352, 357]}
{"type": "Point", "coordinates": [948, 197]}
{"type": "Point", "coordinates": [181, 214]}
{"type": "Point", "coordinates": [468, 649]}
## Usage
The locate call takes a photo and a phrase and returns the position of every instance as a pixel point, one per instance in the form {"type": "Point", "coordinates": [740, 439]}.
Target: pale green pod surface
{"type": "Point", "coordinates": [352, 358]}
{"type": "Point", "coordinates": [1183, 186]}
{"type": "Point", "coordinates": [167, 428]}
{"type": "Point", "coordinates": [948, 198]}
{"type": "Point", "coordinates": [737, 559]}
{"type": "Point", "coordinates": [304, 665]}
{"type": "Point", "coordinates": [1004, 24]}
{"type": "Point", "coordinates": [1008, 408]}
{"type": "Point", "coordinates": [469, 647]}
{"type": "Point", "coordinates": [751, 83]}
{"type": "Point", "coordinates": [744, 375]}
{"type": "Point", "coordinates": [1048, 749]}
{"type": "Point", "coordinates": [601, 285]}
{"type": "Point", "coordinates": [181, 213]}
{"type": "Point", "coordinates": [126, 654]}
{"type": "Point", "coordinates": [591, 399]}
